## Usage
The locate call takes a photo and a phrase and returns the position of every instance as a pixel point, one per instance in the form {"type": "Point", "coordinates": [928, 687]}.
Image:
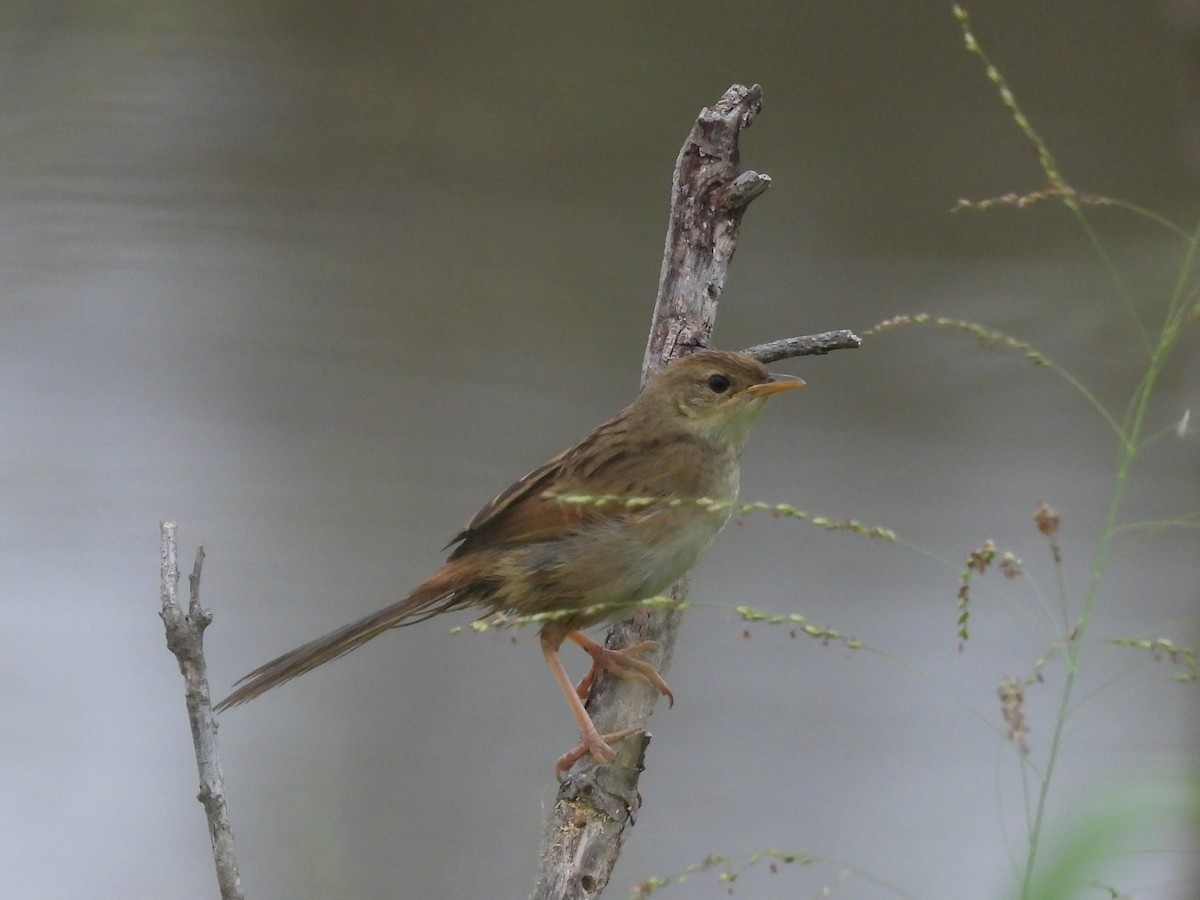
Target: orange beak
{"type": "Point", "coordinates": [777, 384]}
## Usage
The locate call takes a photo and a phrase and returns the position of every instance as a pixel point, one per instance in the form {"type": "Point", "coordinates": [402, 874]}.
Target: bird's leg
{"type": "Point", "coordinates": [591, 741]}
{"type": "Point", "coordinates": [585, 684]}
{"type": "Point", "coordinates": [621, 663]}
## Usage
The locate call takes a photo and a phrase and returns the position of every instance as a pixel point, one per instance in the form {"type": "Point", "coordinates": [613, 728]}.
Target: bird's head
{"type": "Point", "coordinates": [714, 393]}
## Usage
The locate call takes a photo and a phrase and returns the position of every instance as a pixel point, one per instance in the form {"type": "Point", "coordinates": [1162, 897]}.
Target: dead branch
{"type": "Point", "coordinates": [596, 805]}
{"type": "Point", "coordinates": [185, 639]}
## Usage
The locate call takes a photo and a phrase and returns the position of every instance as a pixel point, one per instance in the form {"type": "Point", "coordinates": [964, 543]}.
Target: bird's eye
{"type": "Point", "coordinates": [718, 383]}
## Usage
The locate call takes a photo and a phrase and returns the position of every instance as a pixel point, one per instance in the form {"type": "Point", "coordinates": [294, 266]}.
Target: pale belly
{"type": "Point", "coordinates": [609, 564]}
{"type": "Point", "coordinates": [604, 570]}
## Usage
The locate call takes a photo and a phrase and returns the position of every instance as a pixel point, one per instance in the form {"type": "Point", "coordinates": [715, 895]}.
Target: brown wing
{"type": "Point", "coordinates": [527, 511]}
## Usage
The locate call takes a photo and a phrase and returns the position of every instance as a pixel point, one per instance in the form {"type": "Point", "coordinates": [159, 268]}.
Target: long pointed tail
{"type": "Point", "coordinates": [441, 592]}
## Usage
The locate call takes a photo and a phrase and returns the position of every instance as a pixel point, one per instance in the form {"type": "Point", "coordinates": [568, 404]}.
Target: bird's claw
{"type": "Point", "coordinates": [621, 664]}
{"type": "Point", "coordinates": [598, 745]}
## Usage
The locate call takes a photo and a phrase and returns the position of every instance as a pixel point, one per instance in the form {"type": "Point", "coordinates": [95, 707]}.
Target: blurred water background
{"type": "Point", "coordinates": [317, 280]}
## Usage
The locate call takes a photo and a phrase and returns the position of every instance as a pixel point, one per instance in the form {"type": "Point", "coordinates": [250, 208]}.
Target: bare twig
{"type": "Point", "coordinates": [185, 639]}
{"type": "Point", "coordinates": [596, 805]}
{"type": "Point", "coordinates": [804, 345]}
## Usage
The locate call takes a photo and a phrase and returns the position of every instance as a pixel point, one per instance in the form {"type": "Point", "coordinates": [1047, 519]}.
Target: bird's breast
{"type": "Point", "coordinates": [620, 556]}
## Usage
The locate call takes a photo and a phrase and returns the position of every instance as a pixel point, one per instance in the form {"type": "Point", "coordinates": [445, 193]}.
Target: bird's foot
{"type": "Point", "coordinates": [598, 745]}
{"type": "Point", "coordinates": [620, 663]}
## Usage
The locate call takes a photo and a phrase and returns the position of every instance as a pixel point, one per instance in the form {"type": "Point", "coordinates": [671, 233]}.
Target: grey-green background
{"type": "Point", "coordinates": [317, 280]}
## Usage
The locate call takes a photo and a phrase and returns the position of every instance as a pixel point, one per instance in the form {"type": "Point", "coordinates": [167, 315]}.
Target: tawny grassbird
{"type": "Point", "coordinates": [534, 550]}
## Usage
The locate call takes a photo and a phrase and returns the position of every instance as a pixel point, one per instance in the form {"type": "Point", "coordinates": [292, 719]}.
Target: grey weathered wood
{"type": "Point", "coordinates": [804, 345]}
{"type": "Point", "coordinates": [596, 805]}
{"type": "Point", "coordinates": [710, 193]}
{"type": "Point", "coordinates": [185, 639]}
